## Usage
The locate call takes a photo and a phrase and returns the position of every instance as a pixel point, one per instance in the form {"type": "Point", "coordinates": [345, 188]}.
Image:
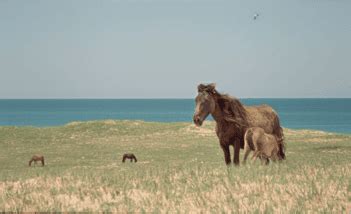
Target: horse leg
{"type": "Point", "coordinates": [236, 152]}
{"type": "Point", "coordinates": [226, 152]}
{"type": "Point", "coordinates": [264, 159]}
{"type": "Point", "coordinates": [274, 157]}
{"type": "Point", "coordinates": [281, 152]}
{"type": "Point", "coordinates": [247, 151]}
{"type": "Point", "coordinates": [254, 156]}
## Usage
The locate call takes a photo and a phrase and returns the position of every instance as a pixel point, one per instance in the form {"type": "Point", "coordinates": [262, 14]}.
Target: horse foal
{"type": "Point", "coordinates": [265, 146]}
{"type": "Point", "coordinates": [36, 158]}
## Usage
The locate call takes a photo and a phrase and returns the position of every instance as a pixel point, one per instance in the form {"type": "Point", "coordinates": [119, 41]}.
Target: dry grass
{"type": "Point", "coordinates": [180, 169]}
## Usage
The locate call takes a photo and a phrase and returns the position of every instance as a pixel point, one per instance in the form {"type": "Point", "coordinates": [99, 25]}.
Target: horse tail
{"type": "Point", "coordinates": [278, 132]}
{"type": "Point", "coordinates": [124, 158]}
{"type": "Point", "coordinates": [30, 162]}
{"type": "Point", "coordinates": [42, 161]}
{"type": "Point", "coordinates": [135, 159]}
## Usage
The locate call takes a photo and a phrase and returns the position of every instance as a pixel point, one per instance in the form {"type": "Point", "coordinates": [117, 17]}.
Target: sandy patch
{"type": "Point", "coordinates": [292, 132]}
{"type": "Point", "coordinates": [74, 123]}
{"type": "Point", "coordinates": [110, 122]}
{"type": "Point", "coordinates": [323, 140]}
{"type": "Point", "coordinates": [203, 131]}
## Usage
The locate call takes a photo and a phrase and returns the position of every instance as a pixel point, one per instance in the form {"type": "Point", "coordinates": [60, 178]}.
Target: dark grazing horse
{"type": "Point", "coordinates": [36, 158]}
{"type": "Point", "coordinates": [129, 156]}
{"type": "Point", "coordinates": [232, 119]}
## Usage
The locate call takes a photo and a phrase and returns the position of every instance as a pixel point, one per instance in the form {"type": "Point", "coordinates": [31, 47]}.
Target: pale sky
{"type": "Point", "coordinates": [164, 48]}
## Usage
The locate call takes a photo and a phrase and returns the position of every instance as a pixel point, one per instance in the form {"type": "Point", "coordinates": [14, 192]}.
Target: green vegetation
{"type": "Point", "coordinates": [180, 168]}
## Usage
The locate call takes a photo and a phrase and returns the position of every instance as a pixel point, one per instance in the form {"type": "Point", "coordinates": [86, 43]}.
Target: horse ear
{"type": "Point", "coordinates": [211, 87]}
{"type": "Point", "coordinates": [201, 88]}
{"type": "Point", "coordinates": [208, 88]}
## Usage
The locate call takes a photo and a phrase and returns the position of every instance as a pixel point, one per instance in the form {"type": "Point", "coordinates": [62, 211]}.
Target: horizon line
{"type": "Point", "coordinates": [162, 98]}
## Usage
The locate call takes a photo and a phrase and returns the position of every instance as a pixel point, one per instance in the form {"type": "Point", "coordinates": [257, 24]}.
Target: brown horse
{"type": "Point", "coordinates": [36, 158]}
{"type": "Point", "coordinates": [130, 156]}
{"type": "Point", "coordinates": [265, 146]}
{"type": "Point", "coordinates": [232, 119]}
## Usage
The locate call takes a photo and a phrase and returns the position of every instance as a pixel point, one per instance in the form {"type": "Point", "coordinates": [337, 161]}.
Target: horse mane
{"type": "Point", "coordinates": [233, 110]}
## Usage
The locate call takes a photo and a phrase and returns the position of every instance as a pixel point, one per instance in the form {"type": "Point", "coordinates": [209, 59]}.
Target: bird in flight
{"type": "Point", "coordinates": [255, 16]}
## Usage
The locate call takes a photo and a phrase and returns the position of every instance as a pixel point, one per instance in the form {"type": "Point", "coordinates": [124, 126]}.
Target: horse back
{"type": "Point", "coordinates": [38, 157]}
{"type": "Point", "coordinates": [265, 117]}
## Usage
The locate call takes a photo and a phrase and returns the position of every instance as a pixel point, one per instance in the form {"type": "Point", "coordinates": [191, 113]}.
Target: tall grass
{"type": "Point", "coordinates": [180, 168]}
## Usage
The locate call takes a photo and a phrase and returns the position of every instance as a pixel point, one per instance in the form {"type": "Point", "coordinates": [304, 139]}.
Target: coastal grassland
{"type": "Point", "coordinates": [180, 168]}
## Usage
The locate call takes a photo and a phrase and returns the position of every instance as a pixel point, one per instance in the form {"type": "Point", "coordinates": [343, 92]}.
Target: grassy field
{"type": "Point", "coordinates": [180, 168]}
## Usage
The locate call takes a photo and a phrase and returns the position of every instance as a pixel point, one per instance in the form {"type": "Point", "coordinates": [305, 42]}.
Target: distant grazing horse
{"type": "Point", "coordinates": [265, 146]}
{"type": "Point", "coordinates": [36, 158]}
{"type": "Point", "coordinates": [129, 156]}
{"type": "Point", "coordinates": [232, 119]}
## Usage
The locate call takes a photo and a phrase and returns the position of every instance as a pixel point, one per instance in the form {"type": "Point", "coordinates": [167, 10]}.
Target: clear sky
{"type": "Point", "coordinates": [164, 48]}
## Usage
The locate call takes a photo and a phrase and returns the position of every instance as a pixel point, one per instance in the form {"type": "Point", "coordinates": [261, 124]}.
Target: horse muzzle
{"type": "Point", "coordinates": [197, 120]}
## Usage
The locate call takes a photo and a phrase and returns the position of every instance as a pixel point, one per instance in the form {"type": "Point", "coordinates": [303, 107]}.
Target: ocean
{"type": "Point", "coordinates": [332, 115]}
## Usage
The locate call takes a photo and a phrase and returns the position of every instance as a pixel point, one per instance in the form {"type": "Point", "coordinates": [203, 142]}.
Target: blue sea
{"type": "Point", "coordinates": [322, 114]}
